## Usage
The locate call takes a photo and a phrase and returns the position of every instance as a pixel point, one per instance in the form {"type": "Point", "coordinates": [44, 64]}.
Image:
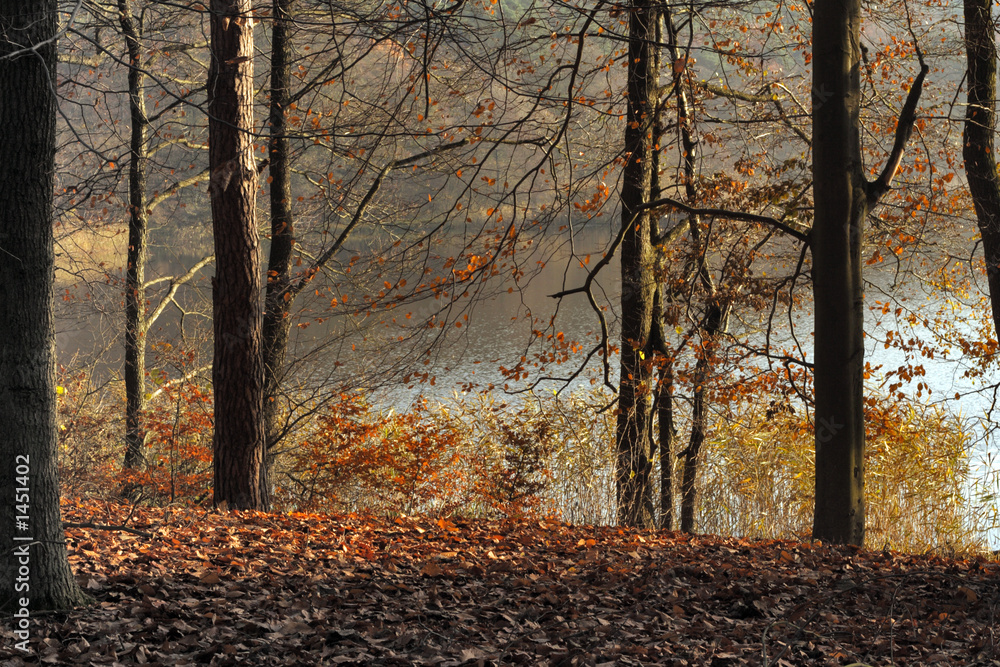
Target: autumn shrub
{"type": "Point", "coordinates": [537, 454]}
{"type": "Point", "coordinates": [918, 480]}
{"type": "Point", "coordinates": [177, 465]}
{"type": "Point", "coordinates": [477, 456]}
{"type": "Point", "coordinates": [481, 456]}
{"type": "Point", "coordinates": [582, 460]}
{"type": "Point", "coordinates": [505, 451]}
{"type": "Point", "coordinates": [91, 433]}
{"type": "Point", "coordinates": [359, 459]}
{"type": "Point", "coordinates": [758, 477]}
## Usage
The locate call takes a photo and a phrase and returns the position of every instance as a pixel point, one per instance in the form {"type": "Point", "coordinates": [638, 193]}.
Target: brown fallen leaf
{"type": "Point", "coordinates": [970, 595]}
{"type": "Point", "coordinates": [431, 570]}
{"type": "Point", "coordinates": [363, 590]}
{"type": "Point", "coordinates": [210, 577]}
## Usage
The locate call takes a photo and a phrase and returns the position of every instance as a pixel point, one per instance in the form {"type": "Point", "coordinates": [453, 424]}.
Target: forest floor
{"type": "Point", "coordinates": [245, 588]}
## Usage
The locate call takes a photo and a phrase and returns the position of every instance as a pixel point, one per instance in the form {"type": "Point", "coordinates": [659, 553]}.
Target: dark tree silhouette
{"type": "Point", "coordinates": [35, 570]}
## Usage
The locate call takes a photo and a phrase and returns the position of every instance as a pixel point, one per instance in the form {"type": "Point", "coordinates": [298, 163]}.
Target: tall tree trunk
{"type": "Point", "coordinates": [34, 570]}
{"type": "Point", "coordinates": [135, 272]}
{"type": "Point", "coordinates": [663, 397]}
{"type": "Point", "coordinates": [238, 370]}
{"type": "Point", "coordinates": [841, 206]}
{"type": "Point", "coordinates": [666, 432]}
{"type": "Point", "coordinates": [277, 322]}
{"type": "Point", "coordinates": [715, 323]}
{"type": "Point", "coordinates": [689, 479]}
{"type": "Point", "coordinates": [634, 467]}
{"type": "Point", "coordinates": [842, 200]}
{"type": "Point", "coordinates": [716, 315]}
{"type": "Point", "coordinates": [980, 122]}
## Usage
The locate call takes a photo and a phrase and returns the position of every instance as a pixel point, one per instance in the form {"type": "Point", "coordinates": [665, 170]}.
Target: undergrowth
{"type": "Point", "coordinates": [541, 455]}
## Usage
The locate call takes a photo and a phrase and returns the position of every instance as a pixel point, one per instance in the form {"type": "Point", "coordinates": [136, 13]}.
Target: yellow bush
{"type": "Point", "coordinates": [759, 477]}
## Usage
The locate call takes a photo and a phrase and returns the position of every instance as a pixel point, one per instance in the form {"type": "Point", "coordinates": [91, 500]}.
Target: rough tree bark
{"type": "Point", "coordinates": [977, 148]}
{"type": "Point", "coordinates": [842, 200]}
{"type": "Point", "coordinates": [666, 433]}
{"type": "Point", "coordinates": [277, 300]}
{"type": "Point", "coordinates": [634, 465]}
{"type": "Point", "coordinates": [841, 206]}
{"type": "Point", "coordinates": [135, 272]}
{"type": "Point", "coordinates": [237, 370]}
{"type": "Point", "coordinates": [34, 570]}
{"type": "Point", "coordinates": [663, 395]}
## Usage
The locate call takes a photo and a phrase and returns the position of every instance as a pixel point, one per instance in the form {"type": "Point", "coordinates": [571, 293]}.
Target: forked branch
{"type": "Point", "coordinates": [904, 128]}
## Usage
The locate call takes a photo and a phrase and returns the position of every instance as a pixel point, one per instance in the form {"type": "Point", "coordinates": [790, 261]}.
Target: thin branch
{"type": "Point", "coordinates": [34, 47]}
{"type": "Point", "coordinates": [160, 197]}
{"type": "Point", "coordinates": [904, 128]}
{"type": "Point", "coordinates": [604, 261]}
{"type": "Point", "coordinates": [175, 284]}
{"type": "Point", "coordinates": [184, 378]}
{"type": "Point", "coordinates": [97, 526]}
{"type": "Point", "coordinates": [177, 102]}
{"type": "Point", "coordinates": [87, 61]}
{"type": "Point", "coordinates": [295, 288]}
{"type": "Point", "coordinates": [183, 141]}
{"type": "Point", "coordinates": [665, 202]}
{"type": "Point", "coordinates": [784, 358]}
{"type": "Point", "coordinates": [729, 93]}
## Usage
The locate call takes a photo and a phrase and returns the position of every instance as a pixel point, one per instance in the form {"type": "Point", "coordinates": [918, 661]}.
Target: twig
{"type": "Point", "coordinates": [97, 526]}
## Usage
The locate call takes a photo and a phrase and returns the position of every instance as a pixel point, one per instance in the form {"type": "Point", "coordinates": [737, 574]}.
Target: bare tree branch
{"type": "Point", "coordinates": [175, 283]}
{"type": "Point", "coordinates": [904, 128]}
{"type": "Point", "coordinates": [160, 197]}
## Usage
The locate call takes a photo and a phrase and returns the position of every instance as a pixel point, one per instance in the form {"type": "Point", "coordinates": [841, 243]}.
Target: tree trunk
{"type": "Point", "coordinates": [34, 569]}
{"type": "Point", "coordinates": [716, 322]}
{"type": "Point", "coordinates": [634, 467]}
{"type": "Point", "coordinates": [135, 272]}
{"type": "Point", "coordinates": [716, 315]}
{"type": "Point", "coordinates": [842, 199]}
{"type": "Point", "coordinates": [689, 494]}
{"type": "Point", "coordinates": [841, 206]}
{"type": "Point", "coordinates": [277, 322]}
{"type": "Point", "coordinates": [980, 121]}
{"type": "Point", "coordinates": [237, 371]}
{"type": "Point", "coordinates": [667, 432]}
{"type": "Point", "coordinates": [663, 398]}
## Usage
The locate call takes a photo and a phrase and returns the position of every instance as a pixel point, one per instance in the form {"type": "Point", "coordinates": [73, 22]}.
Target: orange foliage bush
{"type": "Point", "coordinates": [179, 446]}
{"type": "Point", "coordinates": [481, 460]}
{"type": "Point", "coordinates": [483, 457]}
{"type": "Point", "coordinates": [508, 451]}
{"type": "Point", "coordinates": [486, 460]}
{"type": "Point", "coordinates": [178, 454]}
{"type": "Point", "coordinates": [360, 460]}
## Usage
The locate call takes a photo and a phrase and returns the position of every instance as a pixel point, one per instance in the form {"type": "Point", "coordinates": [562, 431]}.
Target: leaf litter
{"type": "Point", "coordinates": [248, 588]}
